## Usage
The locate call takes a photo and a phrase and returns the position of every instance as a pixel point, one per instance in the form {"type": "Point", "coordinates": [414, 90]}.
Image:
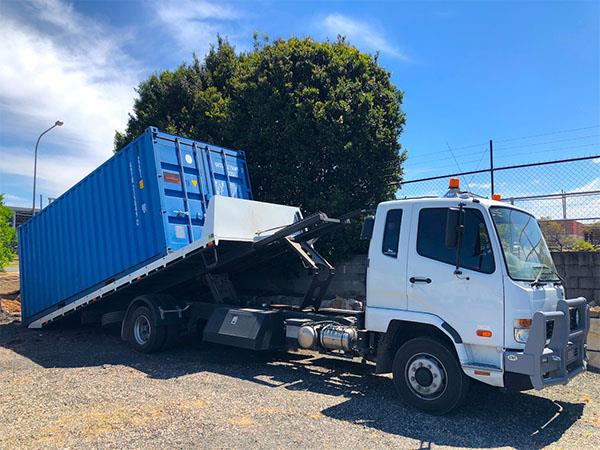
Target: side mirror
{"type": "Point", "coordinates": [452, 227]}
{"type": "Point", "coordinates": [367, 228]}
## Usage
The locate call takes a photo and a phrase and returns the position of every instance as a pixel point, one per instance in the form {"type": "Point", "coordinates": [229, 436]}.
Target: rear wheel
{"type": "Point", "coordinates": [143, 332]}
{"type": "Point", "coordinates": [428, 376]}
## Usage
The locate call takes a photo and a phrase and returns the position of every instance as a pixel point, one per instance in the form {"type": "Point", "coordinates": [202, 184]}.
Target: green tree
{"type": "Point", "coordinates": [554, 233]}
{"type": "Point", "coordinates": [8, 236]}
{"type": "Point", "coordinates": [319, 121]}
{"type": "Point", "coordinates": [576, 244]}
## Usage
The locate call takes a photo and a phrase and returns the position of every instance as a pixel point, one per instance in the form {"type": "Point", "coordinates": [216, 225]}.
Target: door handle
{"type": "Point", "coordinates": [419, 280]}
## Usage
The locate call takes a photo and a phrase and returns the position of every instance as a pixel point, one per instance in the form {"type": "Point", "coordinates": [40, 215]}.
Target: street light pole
{"type": "Point", "coordinates": [58, 123]}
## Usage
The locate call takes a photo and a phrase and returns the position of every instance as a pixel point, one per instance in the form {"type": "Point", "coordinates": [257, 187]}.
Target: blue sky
{"type": "Point", "coordinates": [470, 71]}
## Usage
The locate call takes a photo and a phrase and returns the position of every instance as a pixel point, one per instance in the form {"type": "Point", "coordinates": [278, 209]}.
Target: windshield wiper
{"type": "Point", "coordinates": [537, 282]}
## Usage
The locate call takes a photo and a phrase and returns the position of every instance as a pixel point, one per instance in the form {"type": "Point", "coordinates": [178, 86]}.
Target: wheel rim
{"type": "Point", "coordinates": [426, 376]}
{"type": "Point", "coordinates": [141, 330]}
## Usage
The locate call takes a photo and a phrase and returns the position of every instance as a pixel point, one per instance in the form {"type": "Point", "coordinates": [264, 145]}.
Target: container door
{"type": "Point", "coordinates": [192, 173]}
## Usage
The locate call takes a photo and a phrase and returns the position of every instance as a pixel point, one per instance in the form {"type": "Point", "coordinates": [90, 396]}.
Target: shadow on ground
{"type": "Point", "coordinates": [490, 418]}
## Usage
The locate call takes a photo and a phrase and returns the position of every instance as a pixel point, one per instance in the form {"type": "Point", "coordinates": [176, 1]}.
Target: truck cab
{"type": "Point", "coordinates": [475, 278]}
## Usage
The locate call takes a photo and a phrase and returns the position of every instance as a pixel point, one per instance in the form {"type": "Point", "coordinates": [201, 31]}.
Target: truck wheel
{"type": "Point", "coordinates": [428, 376]}
{"type": "Point", "coordinates": [144, 334]}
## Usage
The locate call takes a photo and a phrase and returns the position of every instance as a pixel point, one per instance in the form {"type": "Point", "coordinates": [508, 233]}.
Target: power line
{"type": "Point", "coordinates": [552, 150]}
{"type": "Point", "coordinates": [497, 169]}
{"type": "Point", "coordinates": [410, 160]}
{"type": "Point", "coordinates": [569, 130]}
{"type": "Point", "coordinates": [549, 142]}
{"type": "Point", "coordinates": [455, 160]}
{"type": "Point", "coordinates": [455, 148]}
{"type": "Point", "coordinates": [502, 157]}
{"type": "Point", "coordinates": [547, 134]}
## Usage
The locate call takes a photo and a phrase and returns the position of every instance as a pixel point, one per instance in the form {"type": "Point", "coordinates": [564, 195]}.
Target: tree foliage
{"type": "Point", "coordinates": [319, 121]}
{"type": "Point", "coordinates": [579, 245]}
{"type": "Point", "coordinates": [8, 237]}
{"type": "Point", "coordinates": [558, 239]}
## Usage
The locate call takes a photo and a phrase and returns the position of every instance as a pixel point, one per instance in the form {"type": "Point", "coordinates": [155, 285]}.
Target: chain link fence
{"type": "Point", "coordinates": [564, 195]}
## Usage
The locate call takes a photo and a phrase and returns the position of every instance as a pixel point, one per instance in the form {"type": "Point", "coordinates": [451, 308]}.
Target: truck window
{"type": "Point", "coordinates": [476, 251]}
{"type": "Point", "coordinates": [391, 233]}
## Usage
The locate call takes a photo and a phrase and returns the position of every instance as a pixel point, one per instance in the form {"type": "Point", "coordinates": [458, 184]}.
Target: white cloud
{"type": "Point", "coordinates": [580, 203]}
{"type": "Point", "coordinates": [57, 13]}
{"type": "Point", "coordinates": [56, 172]}
{"type": "Point", "coordinates": [361, 34]}
{"type": "Point", "coordinates": [58, 64]}
{"type": "Point", "coordinates": [15, 200]}
{"type": "Point", "coordinates": [196, 24]}
{"type": "Point", "coordinates": [593, 185]}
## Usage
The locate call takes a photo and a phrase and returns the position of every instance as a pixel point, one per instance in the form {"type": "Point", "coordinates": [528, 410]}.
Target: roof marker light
{"type": "Point", "coordinates": [454, 183]}
{"type": "Point", "coordinates": [496, 197]}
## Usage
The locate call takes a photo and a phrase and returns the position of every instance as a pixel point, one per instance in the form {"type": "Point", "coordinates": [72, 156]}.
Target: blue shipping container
{"type": "Point", "coordinates": [149, 199]}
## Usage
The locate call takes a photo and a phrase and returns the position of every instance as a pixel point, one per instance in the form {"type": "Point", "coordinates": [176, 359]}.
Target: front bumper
{"type": "Point", "coordinates": [561, 357]}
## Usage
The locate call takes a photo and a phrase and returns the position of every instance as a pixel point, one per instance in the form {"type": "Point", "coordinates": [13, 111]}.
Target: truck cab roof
{"type": "Point", "coordinates": [450, 198]}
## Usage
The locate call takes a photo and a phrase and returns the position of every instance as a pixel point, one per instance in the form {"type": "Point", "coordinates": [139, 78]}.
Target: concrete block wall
{"type": "Point", "coordinates": [349, 281]}
{"type": "Point", "coordinates": [581, 271]}
{"type": "Point", "coordinates": [350, 278]}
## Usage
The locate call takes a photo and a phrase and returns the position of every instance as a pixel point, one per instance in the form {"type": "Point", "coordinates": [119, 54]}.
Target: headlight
{"type": "Point", "coordinates": [522, 327]}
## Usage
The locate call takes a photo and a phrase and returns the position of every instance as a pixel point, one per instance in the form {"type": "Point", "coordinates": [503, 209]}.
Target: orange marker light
{"type": "Point", "coordinates": [496, 197]}
{"type": "Point", "coordinates": [485, 373]}
{"type": "Point", "coordinates": [522, 323]}
{"type": "Point", "coordinates": [454, 183]}
{"type": "Point", "coordinates": [484, 333]}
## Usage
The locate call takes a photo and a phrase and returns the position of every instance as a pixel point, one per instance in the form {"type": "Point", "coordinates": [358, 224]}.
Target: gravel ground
{"type": "Point", "coordinates": [84, 388]}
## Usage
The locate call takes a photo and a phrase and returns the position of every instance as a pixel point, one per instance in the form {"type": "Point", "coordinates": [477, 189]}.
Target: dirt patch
{"type": "Point", "coordinates": [10, 306]}
{"type": "Point", "coordinates": [9, 285]}
{"type": "Point", "coordinates": [9, 294]}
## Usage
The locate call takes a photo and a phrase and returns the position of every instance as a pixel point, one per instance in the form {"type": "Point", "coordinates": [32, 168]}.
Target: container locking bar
{"type": "Point", "coordinates": [322, 273]}
{"type": "Point", "coordinates": [178, 310]}
{"type": "Point", "coordinates": [563, 357]}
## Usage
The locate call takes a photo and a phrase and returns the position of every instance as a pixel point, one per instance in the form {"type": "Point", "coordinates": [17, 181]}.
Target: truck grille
{"type": "Point", "coordinates": [573, 319]}
{"type": "Point", "coordinates": [549, 329]}
{"type": "Point", "coordinates": [573, 323]}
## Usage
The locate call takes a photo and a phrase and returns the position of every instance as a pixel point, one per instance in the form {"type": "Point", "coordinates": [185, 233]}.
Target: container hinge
{"type": "Point", "coordinates": [177, 310]}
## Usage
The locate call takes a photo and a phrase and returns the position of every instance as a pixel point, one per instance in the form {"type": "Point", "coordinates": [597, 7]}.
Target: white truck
{"type": "Point", "coordinates": [458, 288]}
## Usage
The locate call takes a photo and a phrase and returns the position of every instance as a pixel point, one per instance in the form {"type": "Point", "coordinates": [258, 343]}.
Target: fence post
{"type": "Point", "coordinates": [492, 166]}
{"type": "Point", "coordinates": [564, 208]}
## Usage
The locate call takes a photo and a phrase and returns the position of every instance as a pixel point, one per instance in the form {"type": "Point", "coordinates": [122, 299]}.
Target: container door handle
{"type": "Point", "coordinates": [419, 280]}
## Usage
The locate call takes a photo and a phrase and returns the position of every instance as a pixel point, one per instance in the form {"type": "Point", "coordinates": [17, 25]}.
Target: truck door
{"type": "Point", "coordinates": [471, 302]}
{"type": "Point", "coordinates": [386, 276]}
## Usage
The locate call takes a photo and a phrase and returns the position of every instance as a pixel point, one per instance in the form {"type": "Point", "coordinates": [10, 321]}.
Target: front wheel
{"type": "Point", "coordinates": [428, 376]}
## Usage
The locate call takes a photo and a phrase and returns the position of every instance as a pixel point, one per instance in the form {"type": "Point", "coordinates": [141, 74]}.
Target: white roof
{"type": "Point", "coordinates": [450, 201]}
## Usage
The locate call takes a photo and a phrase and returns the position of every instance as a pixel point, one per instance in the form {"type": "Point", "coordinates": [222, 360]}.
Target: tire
{"type": "Point", "coordinates": [428, 376]}
{"type": "Point", "coordinates": [143, 332]}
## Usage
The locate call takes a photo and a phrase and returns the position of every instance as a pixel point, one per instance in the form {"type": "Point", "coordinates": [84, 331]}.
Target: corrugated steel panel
{"type": "Point", "coordinates": [150, 198]}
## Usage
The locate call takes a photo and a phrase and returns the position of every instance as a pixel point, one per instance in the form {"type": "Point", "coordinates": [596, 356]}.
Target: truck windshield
{"type": "Point", "coordinates": [525, 251]}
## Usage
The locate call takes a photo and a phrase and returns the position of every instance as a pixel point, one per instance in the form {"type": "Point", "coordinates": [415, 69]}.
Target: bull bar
{"type": "Point", "coordinates": [562, 356]}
